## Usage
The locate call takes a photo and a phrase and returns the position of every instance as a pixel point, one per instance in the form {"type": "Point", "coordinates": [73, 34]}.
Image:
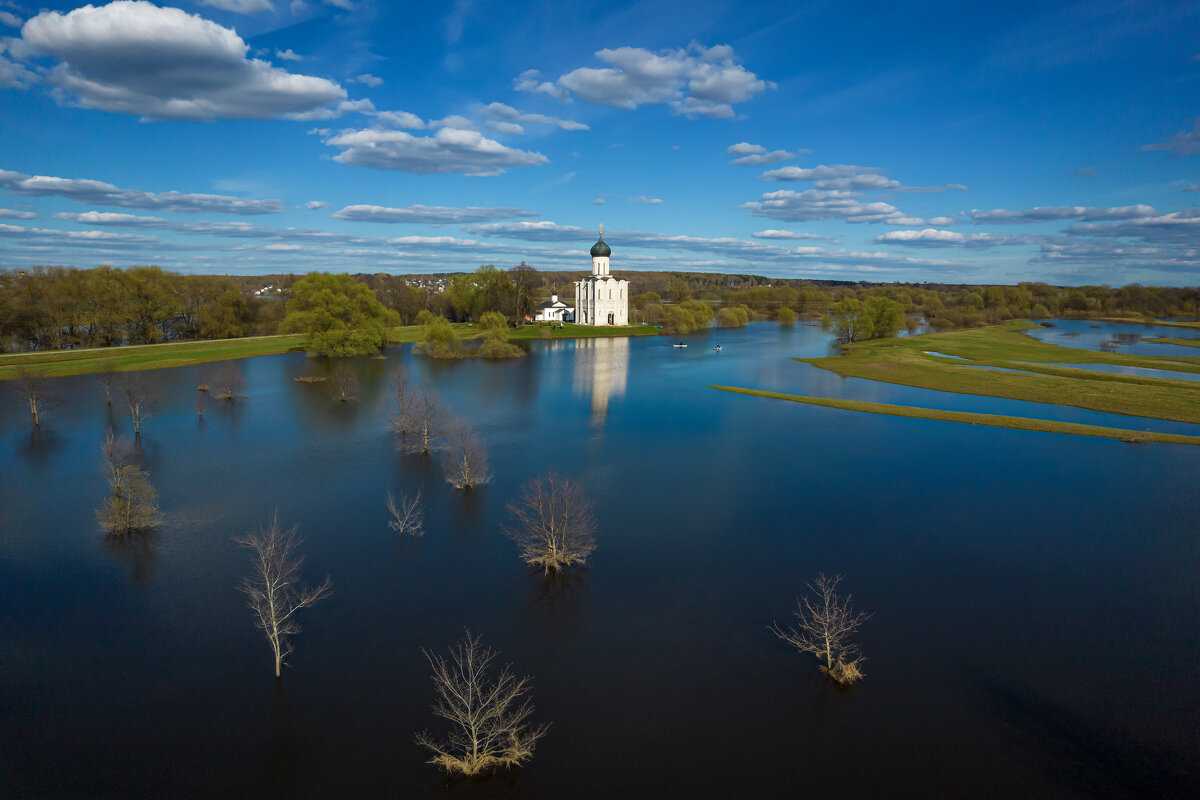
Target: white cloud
{"type": "Point", "coordinates": [8, 213]}
{"type": "Point", "coordinates": [298, 7]}
{"type": "Point", "coordinates": [777, 234]}
{"type": "Point", "coordinates": [105, 194]}
{"type": "Point", "coordinates": [450, 150]}
{"type": "Point", "coordinates": [1184, 143]}
{"type": "Point", "coordinates": [288, 55]}
{"type": "Point", "coordinates": [653, 201]}
{"type": "Point", "coordinates": [363, 106]}
{"type": "Point", "coordinates": [313, 205]}
{"type": "Point", "coordinates": [368, 80]}
{"type": "Point", "coordinates": [453, 121]}
{"type": "Point", "coordinates": [692, 81]}
{"type": "Point", "coordinates": [12, 74]}
{"type": "Point", "coordinates": [530, 81]}
{"type": "Point", "coordinates": [599, 201]}
{"type": "Point", "coordinates": [76, 238]}
{"type": "Point", "coordinates": [755, 155]}
{"type": "Point", "coordinates": [283, 247]}
{"type": "Point", "coordinates": [815, 204]}
{"type": "Point", "coordinates": [10, 19]}
{"type": "Point", "coordinates": [241, 6]}
{"type": "Point", "coordinates": [432, 215]}
{"type": "Point", "coordinates": [1195, 187]}
{"type": "Point", "coordinates": [505, 118]}
{"type": "Point", "coordinates": [131, 57]}
{"type": "Point", "coordinates": [1054, 213]}
{"type": "Point", "coordinates": [398, 119]}
{"type": "Point", "coordinates": [345, 5]}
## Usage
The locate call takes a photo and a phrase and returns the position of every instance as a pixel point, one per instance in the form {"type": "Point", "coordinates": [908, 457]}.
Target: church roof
{"type": "Point", "coordinates": [553, 304]}
{"type": "Point", "coordinates": [600, 248]}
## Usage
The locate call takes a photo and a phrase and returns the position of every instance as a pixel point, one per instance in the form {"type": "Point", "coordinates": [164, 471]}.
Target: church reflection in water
{"type": "Point", "coordinates": [601, 367]}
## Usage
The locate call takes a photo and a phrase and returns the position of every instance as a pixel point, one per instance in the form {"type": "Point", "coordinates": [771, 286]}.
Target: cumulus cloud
{"type": "Point", "coordinates": [777, 234]}
{"type": "Point", "coordinates": [398, 119]}
{"type": "Point", "coordinates": [12, 74]}
{"type": "Point", "coordinates": [450, 150]}
{"type": "Point", "coordinates": [241, 6]}
{"type": "Point", "coordinates": [313, 205]}
{"type": "Point", "coordinates": [453, 121]}
{"type": "Point", "coordinates": [506, 119]}
{"type": "Point", "coordinates": [288, 55]}
{"type": "Point", "coordinates": [1184, 143]}
{"type": "Point", "coordinates": [1056, 213]}
{"type": "Point", "coordinates": [99, 193]}
{"type": "Point", "coordinates": [599, 201]}
{"type": "Point", "coordinates": [931, 237]}
{"type": "Point", "coordinates": [10, 19]}
{"type": "Point", "coordinates": [368, 80]}
{"type": "Point", "coordinates": [653, 201]}
{"type": "Point", "coordinates": [531, 81]}
{"type": "Point", "coordinates": [692, 81]}
{"type": "Point", "coordinates": [132, 57]}
{"type": "Point", "coordinates": [8, 213]}
{"type": "Point", "coordinates": [755, 155]}
{"type": "Point", "coordinates": [432, 215]}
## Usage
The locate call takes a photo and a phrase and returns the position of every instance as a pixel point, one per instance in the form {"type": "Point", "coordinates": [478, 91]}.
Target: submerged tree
{"type": "Point", "coordinates": [408, 518]}
{"type": "Point", "coordinates": [402, 394]}
{"type": "Point", "coordinates": [229, 382]}
{"type": "Point", "coordinates": [343, 382]}
{"type": "Point", "coordinates": [826, 627]}
{"type": "Point", "coordinates": [133, 503]}
{"type": "Point", "coordinates": [426, 420]}
{"type": "Point", "coordinates": [107, 377]}
{"type": "Point", "coordinates": [488, 715]}
{"type": "Point", "coordinates": [140, 396]}
{"type": "Point", "coordinates": [272, 592]}
{"type": "Point", "coordinates": [553, 523]}
{"type": "Point", "coordinates": [465, 458]}
{"type": "Point", "coordinates": [34, 389]}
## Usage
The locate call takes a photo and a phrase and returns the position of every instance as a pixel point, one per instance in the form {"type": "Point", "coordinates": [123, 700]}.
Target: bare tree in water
{"type": "Point", "coordinates": [343, 382]}
{"type": "Point", "coordinates": [272, 591]}
{"type": "Point", "coordinates": [402, 396]}
{"type": "Point", "coordinates": [229, 382]}
{"type": "Point", "coordinates": [488, 714]}
{"type": "Point", "coordinates": [465, 458]}
{"type": "Point", "coordinates": [408, 518]}
{"type": "Point", "coordinates": [140, 397]}
{"type": "Point", "coordinates": [553, 523]}
{"type": "Point", "coordinates": [108, 378]}
{"type": "Point", "coordinates": [34, 389]}
{"type": "Point", "coordinates": [826, 624]}
{"type": "Point", "coordinates": [426, 420]}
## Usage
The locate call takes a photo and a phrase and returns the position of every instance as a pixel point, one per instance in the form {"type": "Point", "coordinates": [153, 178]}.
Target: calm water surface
{"type": "Point", "coordinates": [1035, 599]}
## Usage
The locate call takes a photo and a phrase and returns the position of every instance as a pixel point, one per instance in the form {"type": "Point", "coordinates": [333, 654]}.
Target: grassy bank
{"type": "Point", "coordinates": [1169, 323]}
{"type": "Point", "coordinates": [60, 363]}
{"type": "Point", "coordinates": [904, 361]}
{"type": "Point", "coordinates": [532, 333]}
{"type": "Point", "coordinates": [969, 418]}
{"type": "Point", "coordinates": [1191, 342]}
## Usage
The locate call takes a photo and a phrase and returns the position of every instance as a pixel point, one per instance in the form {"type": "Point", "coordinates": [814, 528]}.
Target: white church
{"type": "Point", "coordinates": [601, 299]}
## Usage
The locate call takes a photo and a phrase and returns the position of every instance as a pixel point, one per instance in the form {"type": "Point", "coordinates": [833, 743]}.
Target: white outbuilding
{"type": "Point", "coordinates": [554, 310]}
{"type": "Point", "coordinates": [601, 299]}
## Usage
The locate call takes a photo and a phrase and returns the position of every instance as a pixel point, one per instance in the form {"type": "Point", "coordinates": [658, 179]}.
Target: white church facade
{"type": "Point", "coordinates": [601, 299]}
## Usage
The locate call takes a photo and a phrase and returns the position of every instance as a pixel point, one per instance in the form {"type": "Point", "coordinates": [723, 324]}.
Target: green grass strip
{"type": "Point", "coordinates": [1186, 342]}
{"type": "Point", "coordinates": [971, 418]}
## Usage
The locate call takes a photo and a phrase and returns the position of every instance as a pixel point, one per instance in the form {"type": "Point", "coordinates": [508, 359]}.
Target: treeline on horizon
{"type": "Point", "coordinates": [50, 308]}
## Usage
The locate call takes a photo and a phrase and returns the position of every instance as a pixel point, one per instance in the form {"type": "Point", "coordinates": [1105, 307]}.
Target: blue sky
{"type": "Point", "coordinates": [942, 142]}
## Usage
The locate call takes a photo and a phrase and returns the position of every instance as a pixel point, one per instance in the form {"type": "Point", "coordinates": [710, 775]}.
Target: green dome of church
{"type": "Point", "coordinates": [600, 248]}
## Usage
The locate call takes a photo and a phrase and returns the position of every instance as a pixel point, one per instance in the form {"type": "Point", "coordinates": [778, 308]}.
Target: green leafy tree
{"type": "Point", "coordinates": [439, 340]}
{"type": "Point", "coordinates": [341, 316]}
{"type": "Point", "coordinates": [786, 317]}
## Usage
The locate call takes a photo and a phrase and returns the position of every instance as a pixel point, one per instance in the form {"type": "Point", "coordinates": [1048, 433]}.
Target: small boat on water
{"type": "Point", "coordinates": [681, 344]}
{"type": "Point", "coordinates": [718, 347]}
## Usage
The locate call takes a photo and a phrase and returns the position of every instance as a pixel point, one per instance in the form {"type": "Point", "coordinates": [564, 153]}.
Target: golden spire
{"type": "Point", "coordinates": [601, 230]}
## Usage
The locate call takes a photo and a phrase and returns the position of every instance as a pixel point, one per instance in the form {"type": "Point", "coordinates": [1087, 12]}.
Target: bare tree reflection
{"type": "Point", "coordinates": [138, 550]}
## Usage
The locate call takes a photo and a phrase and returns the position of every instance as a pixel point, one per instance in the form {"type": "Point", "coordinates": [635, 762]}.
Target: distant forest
{"type": "Point", "coordinates": [47, 308]}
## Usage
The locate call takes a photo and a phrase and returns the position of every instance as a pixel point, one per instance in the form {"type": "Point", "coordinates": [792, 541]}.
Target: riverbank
{"type": "Point", "coordinates": [971, 418]}
{"type": "Point", "coordinates": [61, 363]}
